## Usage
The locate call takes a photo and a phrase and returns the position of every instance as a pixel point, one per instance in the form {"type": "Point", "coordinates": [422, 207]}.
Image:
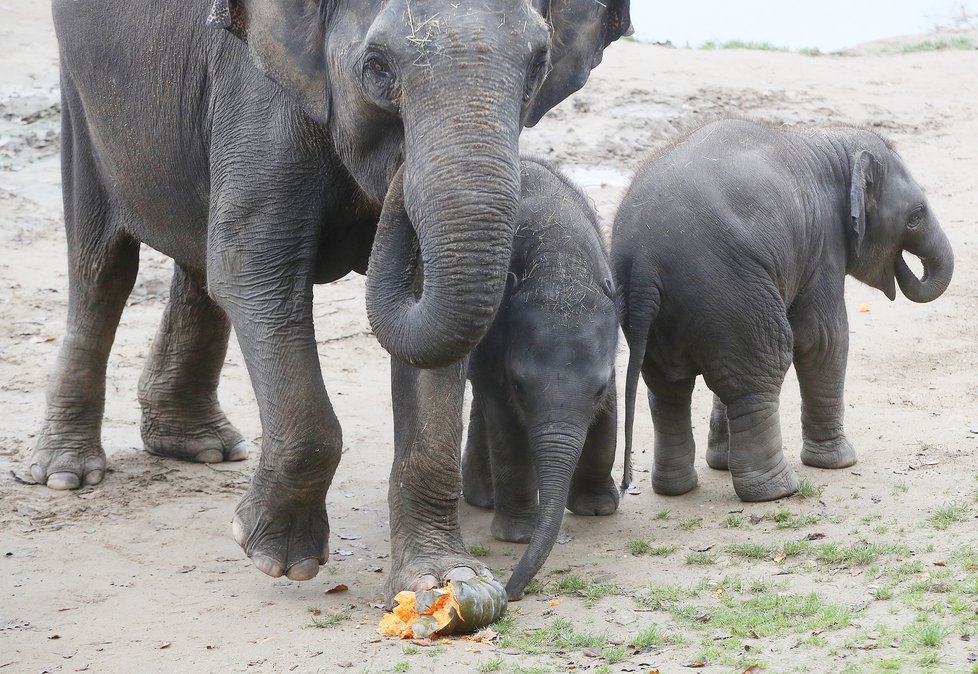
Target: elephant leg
{"type": "Point", "coordinates": [476, 466]}
{"type": "Point", "coordinates": [426, 541]}
{"type": "Point", "coordinates": [102, 265]}
{"type": "Point", "coordinates": [718, 449]}
{"type": "Point", "coordinates": [673, 471]}
{"type": "Point", "coordinates": [820, 363]}
{"type": "Point", "coordinates": [514, 474]}
{"type": "Point", "coordinates": [593, 490]}
{"type": "Point", "coordinates": [181, 417]}
{"type": "Point", "coordinates": [758, 466]}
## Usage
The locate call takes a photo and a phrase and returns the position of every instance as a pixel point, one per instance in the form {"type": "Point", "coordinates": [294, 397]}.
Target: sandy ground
{"type": "Point", "coordinates": [140, 571]}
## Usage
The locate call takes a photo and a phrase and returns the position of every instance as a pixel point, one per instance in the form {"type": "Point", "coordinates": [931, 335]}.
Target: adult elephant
{"type": "Point", "coordinates": [261, 181]}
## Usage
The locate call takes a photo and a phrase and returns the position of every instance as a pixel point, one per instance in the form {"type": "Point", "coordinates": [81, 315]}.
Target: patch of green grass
{"type": "Point", "coordinates": [330, 619]}
{"type": "Point", "coordinates": [493, 665]}
{"type": "Point", "coordinates": [591, 590]}
{"type": "Point", "coordinates": [535, 586]}
{"type": "Point", "coordinates": [604, 669]}
{"type": "Point", "coordinates": [691, 523]}
{"type": "Point", "coordinates": [616, 654]}
{"type": "Point", "coordinates": [774, 614]}
{"type": "Point", "coordinates": [409, 650]}
{"type": "Point", "coordinates": [662, 515]}
{"type": "Point", "coordinates": [701, 558]}
{"type": "Point", "coordinates": [638, 546]}
{"type": "Point", "coordinates": [857, 554]}
{"type": "Point", "coordinates": [402, 666]}
{"type": "Point", "coordinates": [810, 51]}
{"type": "Point", "coordinates": [660, 597]}
{"type": "Point", "coordinates": [760, 551]}
{"type": "Point", "coordinates": [927, 633]}
{"type": "Point", "coordinates": [741, 44]}
{"type": "Point", "coordinates": [558, 635]}
{"type": "Point", "coordinates": [807, 488]}
{"type": "Point", "coordinates": [517, 669]}
{"type": "Point", "coordinates": [947, 514]}
{"type": "Point", "coordinates": [939, 45]}
{"type": "Point", "coordinates": [883, 593]}
{"type": "Point", "coordinates": [900, 488]}
{"type": "Point", "coordinates": [785, 519]}
{"type": "Point", "coordinates": [651, 637]}
{"type": "Point", "coordinates": [478, 551]}
{"type": "Point", "coordinates": [733, 522]}
{"type": "Point", "coordinates": [504, 625]}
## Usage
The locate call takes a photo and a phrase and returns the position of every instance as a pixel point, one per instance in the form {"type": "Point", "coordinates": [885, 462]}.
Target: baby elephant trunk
{"type": "Point", "coordinates": [938, 260]}
{"type": "Point", "coordinates": [556, 453]}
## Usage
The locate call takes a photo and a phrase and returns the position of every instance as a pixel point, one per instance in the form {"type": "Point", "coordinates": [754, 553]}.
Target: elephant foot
{"type": "Point", "coordinates": [513, 529]}
{"type": "Point", "coordinates": [282, 537]}
{"type": "Point", "coordinates": [674, 482]}
{"type": "Point", "coordinates": [417, 570]}
{"type": "Point", "coordinates": [593, 499]}
{"type": "Point", "coordinates": [769, 484]}
{"type": "Point", "coordinates": [202, 436]}
{"type": "Point", "coordinates": [718, 453]}
{"type": "Point", "coordinates": [66, 461]}
{"type": "Point", "coordinates": [836, 453]}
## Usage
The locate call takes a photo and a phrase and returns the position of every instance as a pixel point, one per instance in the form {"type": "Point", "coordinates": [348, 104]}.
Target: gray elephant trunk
{"type": "Point", "coordinates": [938, 260]}
{"type": "Point", "coordinates": [556, 454]}
{"type": "Point", "coordinates": [457, 191]}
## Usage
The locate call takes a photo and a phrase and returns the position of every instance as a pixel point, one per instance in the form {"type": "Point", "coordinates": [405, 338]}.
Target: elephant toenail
{"type": "Point", "coordinates": [210, 456]}
{"type": "Point", "coordinates": [268, 566]}
{"type": "Point", "coordinates": [237, 531]}
{"type": "Point", "coordinates": [63, 480]}
{"type": "Point", "coordinates": [426, 582]}
{"type": "Point", "coordinates": [93, 477]}
{"type": "Point", "coordinates": [303, 570]}
{"type": "Point", "coordinates": [460, 573]}
{"type": "Point", "coordinates": [37, 473]}
{"type": "Point", "coordinates": [240, 451]}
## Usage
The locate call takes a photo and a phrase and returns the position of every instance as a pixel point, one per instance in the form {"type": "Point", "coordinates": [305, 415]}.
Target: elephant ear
{"type": "Point", "coordinates": [582, 29]}
{"type": "Point", "coordinates": [287, 42]}
{"type": "Point", "coordinates": [861, 194]}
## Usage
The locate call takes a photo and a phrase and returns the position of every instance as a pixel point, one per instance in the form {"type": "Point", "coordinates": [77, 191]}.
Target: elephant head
{"type": "Point", "coordinates": [889, 214]}
{"type": "Point", "coordinates": [442, 88]}
{"type": "Point", "coordinates": [581, 31]}
{"type": "Point", "coordinates": [559, 385]}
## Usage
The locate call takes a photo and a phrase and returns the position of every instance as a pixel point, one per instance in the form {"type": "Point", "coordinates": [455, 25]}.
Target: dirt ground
{"type": "Point", "coordinates": [873, 570]}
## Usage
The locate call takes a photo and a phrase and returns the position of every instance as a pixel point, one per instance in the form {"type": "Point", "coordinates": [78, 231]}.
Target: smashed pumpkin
{"type": "Point", "coordinates": [461, 607]}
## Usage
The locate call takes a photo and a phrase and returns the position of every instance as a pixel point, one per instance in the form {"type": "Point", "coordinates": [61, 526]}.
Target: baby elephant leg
{"type": "Point", "coordinates": [593, 490]}
{"type": "Point", "coordinates": [476, 469]}
{"type": "Point", "coordinates": [821, 377]}
{"type": "Point", "coordinates": [514, 477]}
{"type": "Point", "coordinates": [718, 449]}
{"type": "Point", "coordinates": [673, 472]}
{"type": "Point", "coordinates": [757, 464]}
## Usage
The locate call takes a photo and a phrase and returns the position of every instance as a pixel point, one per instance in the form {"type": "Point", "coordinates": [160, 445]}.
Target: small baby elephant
{"type": "Point", "coordinates": [730, 252]}
{"type": "Point", "coordinates": [543, 379]}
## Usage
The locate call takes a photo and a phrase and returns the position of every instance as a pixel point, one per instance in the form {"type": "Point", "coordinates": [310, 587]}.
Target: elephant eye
{"type": "Point", "coordinates": [379, 76]}
{"type": "Point", "coordinates": [539, 70]}
{"type": "Point", "coordinates": [916, 218]}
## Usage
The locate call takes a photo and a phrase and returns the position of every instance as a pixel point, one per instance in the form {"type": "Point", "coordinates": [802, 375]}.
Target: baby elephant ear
{"type": "Point", "coordinates": [861, 193]}
{"type": "Point", "coordinates": [287, 42]}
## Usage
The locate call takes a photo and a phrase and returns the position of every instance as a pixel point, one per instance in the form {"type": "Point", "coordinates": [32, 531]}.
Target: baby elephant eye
{"type": "Point", "coordinates": [916, 218]}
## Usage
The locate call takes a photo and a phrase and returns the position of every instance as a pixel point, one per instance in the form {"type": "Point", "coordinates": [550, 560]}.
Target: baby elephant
{"type": "Point", "coordinates": [730, 252]}
{"type": "Point", "coordinates": [543, 380]}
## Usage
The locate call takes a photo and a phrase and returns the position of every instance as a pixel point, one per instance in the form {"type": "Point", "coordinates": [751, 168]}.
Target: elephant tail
{"type": "Point", "coordinates": [639, 308]}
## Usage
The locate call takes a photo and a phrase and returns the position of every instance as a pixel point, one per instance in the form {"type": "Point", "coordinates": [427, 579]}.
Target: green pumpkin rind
{"type": "Point", "coordinates": [482, 602]}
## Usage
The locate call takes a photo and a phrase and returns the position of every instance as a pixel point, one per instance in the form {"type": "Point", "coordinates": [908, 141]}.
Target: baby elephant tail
{"type": "Point", "coordinates": [639, 309]}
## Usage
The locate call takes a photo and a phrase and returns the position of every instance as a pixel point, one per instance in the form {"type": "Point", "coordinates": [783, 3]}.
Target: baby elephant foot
{"type": "Point", "coordinates": [778, 481]}
{"type": "Point", "coordinates": [204, 437]}
{"type": "Point", "coordinates": [64, 462]}
{"type": "Point", "coordinates": [674, 482]}
{"type": "Point", "coordinates": [282, 537]}
{"type": "Point", "coordinates": [836, 453]}
{"type": "Point", "coordinates": [477, 489]}
{"type": "Point", "coordinates": [511, 528]}
{"type": "Point", "coordinates": [593, 499]}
